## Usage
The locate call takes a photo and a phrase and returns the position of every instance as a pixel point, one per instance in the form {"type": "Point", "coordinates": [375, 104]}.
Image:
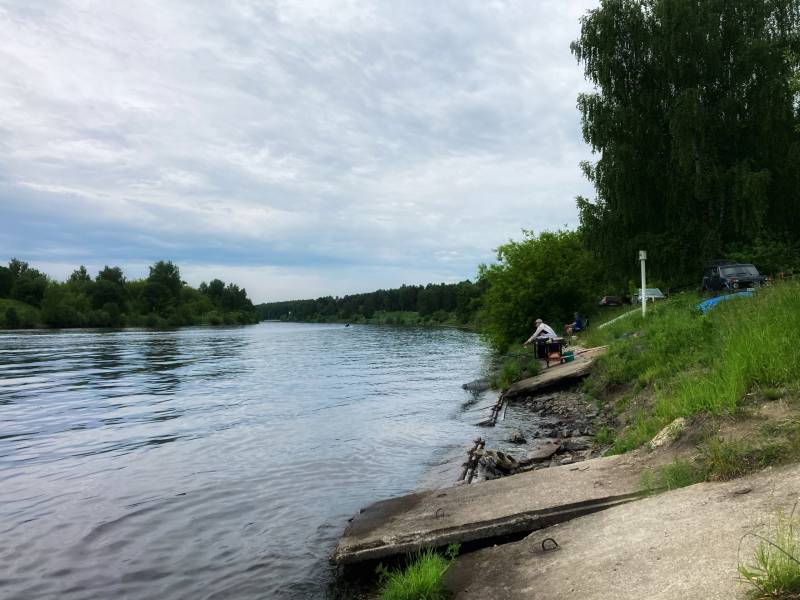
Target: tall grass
{"type": "Point", "coordinates": [697, 363]}
{"type": "Point", "coordinates": [776, 569]}
{"type": "Point", "coordinates": [422, 579]}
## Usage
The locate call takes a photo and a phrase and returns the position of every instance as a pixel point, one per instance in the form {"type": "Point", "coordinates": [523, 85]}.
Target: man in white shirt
{"type": "Point", "coordinates": [543, 330]}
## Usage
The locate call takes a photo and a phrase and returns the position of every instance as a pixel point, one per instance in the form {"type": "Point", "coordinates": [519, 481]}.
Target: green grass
{"type": "Point", "coordinates": [422, 579]}
{"type": "Point", "coordinates": [677, 474]}
{"type": "Point", "coordinates": [515, 366]}
{"type": "Point", "coordinates": [721, 460]}
{"type": "Point", "coordinates": [604, 436]}
{"type": "Point", "coordinates": [692, 364]}
{"type": "Point", "coordinates": [775, 570]}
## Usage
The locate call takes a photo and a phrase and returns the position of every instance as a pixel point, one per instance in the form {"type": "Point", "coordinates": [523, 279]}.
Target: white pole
{"type": "Point", "coordinates": [643, 258]}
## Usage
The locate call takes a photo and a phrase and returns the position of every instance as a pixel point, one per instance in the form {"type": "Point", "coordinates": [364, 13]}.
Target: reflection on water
{"type": "Point", "coordinates": [211, 463]}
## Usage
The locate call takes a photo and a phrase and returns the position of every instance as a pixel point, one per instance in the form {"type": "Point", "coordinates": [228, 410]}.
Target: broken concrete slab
{"type": "Point", "coordinates": [680, 544]}
{"type": "Point", "coordinates": [555, 375]}
{"type": "Point", "coordinates": [489, 509]}
{"type": "Point", "coordinates": [544, 451]}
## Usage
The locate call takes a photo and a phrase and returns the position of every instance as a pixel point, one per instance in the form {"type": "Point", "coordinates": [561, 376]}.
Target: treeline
{"type": "Point", "coordinates": [696, 121]}
{"type": "Point", "coordinates": [28, 298]}
{"type": "Point", "coordinates": [443, 302]}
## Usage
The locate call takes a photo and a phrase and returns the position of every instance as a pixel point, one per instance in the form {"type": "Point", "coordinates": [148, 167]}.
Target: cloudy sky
{"type": "Point", "coordinates": [298, 148]}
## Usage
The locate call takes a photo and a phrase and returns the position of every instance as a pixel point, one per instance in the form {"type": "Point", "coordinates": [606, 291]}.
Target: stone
{"type": "Point", "coordinates": [575, 444]}
{"type": "Point", "coordinates": [495, 460]}
{"type": "Point", "coordinates": [479, 385]}
{"type": "Point", "coordinates": [516, 437]}
{"type": "Point", "coordinates": [667, 436]}
{"type": "Point", "coordinates": [544, 451]}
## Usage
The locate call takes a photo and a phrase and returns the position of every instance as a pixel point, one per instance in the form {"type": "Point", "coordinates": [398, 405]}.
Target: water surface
{"type": "Point", "coordinates": [212, 463]}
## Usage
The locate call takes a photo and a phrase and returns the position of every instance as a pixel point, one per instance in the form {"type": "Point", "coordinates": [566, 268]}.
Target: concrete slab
{"type": "Point", "coordinates": [681, 544]}
{"type": "Point", "coordinates": [488, 509]}
{"type": "Point", "coordinates": [555, 375]}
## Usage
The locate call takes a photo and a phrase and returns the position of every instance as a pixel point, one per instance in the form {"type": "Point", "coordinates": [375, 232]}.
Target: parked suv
{"type": "Point", "coordinates": [728, 276]}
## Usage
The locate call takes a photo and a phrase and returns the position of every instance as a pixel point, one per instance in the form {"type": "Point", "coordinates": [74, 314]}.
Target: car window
{"type": "Point", "coordinates": [739, 270]}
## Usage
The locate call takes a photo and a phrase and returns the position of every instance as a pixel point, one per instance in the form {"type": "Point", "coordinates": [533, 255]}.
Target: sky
{"type": "Point", "coordinates": [298, 149]}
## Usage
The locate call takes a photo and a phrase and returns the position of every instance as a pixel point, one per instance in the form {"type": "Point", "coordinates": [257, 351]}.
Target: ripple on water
{"type": "Point", "coordinates": [211, 463]}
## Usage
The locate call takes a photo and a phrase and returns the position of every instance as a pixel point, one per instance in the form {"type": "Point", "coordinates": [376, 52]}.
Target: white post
{"type": "Point", "coordinates": [642, 258]}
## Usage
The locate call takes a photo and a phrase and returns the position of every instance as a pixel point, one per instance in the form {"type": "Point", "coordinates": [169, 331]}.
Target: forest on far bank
{"type": "Point", "coordinates": [29, 298]}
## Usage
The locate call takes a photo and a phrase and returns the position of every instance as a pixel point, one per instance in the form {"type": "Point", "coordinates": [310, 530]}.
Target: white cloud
{"type": "Point", "coordinates": [398, 138]}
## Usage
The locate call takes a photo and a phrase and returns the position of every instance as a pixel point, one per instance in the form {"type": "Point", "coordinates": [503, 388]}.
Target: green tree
{"type": "Point", "coordinates": [163, 288]}
{"type": "Point", "coordinates": [63, 306]}
{"type": "Point", "coordinates": [6, 282]}
{"type": "Point", "coordinates": [109, 293]}
{"type": "Point", "coordinates": [29, 284]}
{"type": "Point", "coordinates": [548, 276]}
{"type": "Point", "coordinates": [694, 121]}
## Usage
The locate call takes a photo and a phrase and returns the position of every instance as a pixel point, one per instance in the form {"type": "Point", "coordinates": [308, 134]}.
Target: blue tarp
{"type": "Point", "coordinates": [707, 305]}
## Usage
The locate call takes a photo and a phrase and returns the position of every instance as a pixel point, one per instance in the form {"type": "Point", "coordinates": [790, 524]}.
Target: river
{"type": "Point", "coordinates": [213, 462]}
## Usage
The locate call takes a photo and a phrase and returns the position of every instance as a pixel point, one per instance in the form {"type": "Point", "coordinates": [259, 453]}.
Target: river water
{"type": "Point", "coordinates": [213, 463]}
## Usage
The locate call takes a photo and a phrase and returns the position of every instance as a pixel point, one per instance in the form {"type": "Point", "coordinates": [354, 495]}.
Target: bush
{"type": "Point", "coordinates": [549, 276]}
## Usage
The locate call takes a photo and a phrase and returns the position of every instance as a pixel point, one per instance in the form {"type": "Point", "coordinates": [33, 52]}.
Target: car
{"type": "Point", "coordinates": [652, 294]}
{"type": "Point", "coordinates": [610, 301]}
{"type": "Point", "coordinates": [729, 276]}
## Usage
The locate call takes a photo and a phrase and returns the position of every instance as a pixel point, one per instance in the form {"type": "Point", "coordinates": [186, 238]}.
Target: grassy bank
{"type": "Point", "coordinates": [680, 363]}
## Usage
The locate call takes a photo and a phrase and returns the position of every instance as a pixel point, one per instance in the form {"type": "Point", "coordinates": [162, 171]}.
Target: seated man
{"type": "Point", "coordinates": [543, 331]}
{"type": "Point", "coordinates": [575, 326]}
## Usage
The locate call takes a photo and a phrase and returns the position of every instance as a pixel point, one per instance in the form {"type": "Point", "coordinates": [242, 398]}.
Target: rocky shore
{"type": "Point", "coordinates": [541, 431]}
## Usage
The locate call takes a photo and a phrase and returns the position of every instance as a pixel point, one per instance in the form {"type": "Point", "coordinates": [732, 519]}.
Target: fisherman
{"type": "Point", "coordinates": [575, 326]}
{"type": "Point", "coordinates": [543, 331]}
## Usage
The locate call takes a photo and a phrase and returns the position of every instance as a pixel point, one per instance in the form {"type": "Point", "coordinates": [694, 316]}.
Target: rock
{"type": "Point", "coordinates": [575, 444]}
{"type": "Point", "coordinates": [516, 437]}
{"type": "Point", "coordinates": [669, 434]}
{"type": "Point", "coordinates": [495, 460]}
{"type": "Point", "coordinates": [479, 385]}
{"type": "Point", "coordinates": [544, 451]}
{"type": "Point", "coordinates": [567, 460]}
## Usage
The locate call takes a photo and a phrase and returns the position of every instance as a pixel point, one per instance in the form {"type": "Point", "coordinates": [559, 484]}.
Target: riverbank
{"type": "Point", "coordinates": [398, 318]}
{"type": "Point", "coordinates": [643, 400]}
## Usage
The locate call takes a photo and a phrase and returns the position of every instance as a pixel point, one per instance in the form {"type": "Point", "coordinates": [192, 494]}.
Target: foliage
{"type": "Point", "coordinates": [694, 120]}
{"type": "Point", "coordinates": [110, 300]}
{"type": "Point", "coordinates": [17, 315]}
{"type": "Point", "coordinates": [454, 303]}
{"type": "Point", "coordinates": [691, 364]}
{"type": "Point", "coordinates": [514, 366]}
{"type": "Point", "coordinates": [548, 276]}
{"type": "Point", "coordinates": [421, 579]}
{"type": "Point", "coordinates": [776, 572]}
